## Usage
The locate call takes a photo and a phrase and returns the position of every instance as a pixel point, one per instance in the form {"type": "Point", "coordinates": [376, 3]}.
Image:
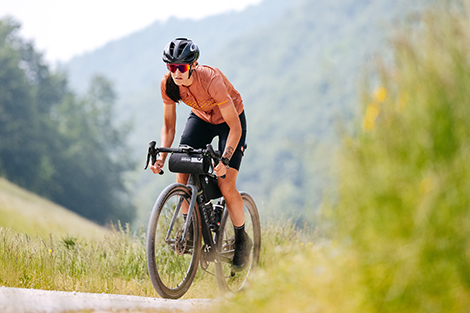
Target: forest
{"type": "Point", "coordinates": [78, 134]}
{"type": "Point", "coordinates": [55, 143]}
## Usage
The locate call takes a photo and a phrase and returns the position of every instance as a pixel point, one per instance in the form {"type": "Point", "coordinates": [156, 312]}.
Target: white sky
{"type": "Point", "coordinates": [62, 29]}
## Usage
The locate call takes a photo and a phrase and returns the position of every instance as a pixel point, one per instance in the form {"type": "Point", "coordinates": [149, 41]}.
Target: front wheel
{"type": "Point", "coordinates": [172, 261]}
{"type": "Point", "coordinates": [227, 278]}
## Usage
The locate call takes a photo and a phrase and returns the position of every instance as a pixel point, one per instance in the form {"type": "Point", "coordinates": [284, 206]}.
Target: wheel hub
{"type": "Point", "coordinates": [180, 244]}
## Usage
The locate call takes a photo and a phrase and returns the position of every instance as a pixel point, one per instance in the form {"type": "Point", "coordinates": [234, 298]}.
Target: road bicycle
{"type": "Point", "coordinates": [177, 244]}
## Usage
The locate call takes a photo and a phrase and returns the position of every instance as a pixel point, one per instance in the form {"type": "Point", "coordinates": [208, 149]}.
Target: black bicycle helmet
{"type": "Point", "coordinates": [181, 51]}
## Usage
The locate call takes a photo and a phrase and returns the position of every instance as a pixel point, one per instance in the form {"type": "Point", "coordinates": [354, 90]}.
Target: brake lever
{"type": "Point", "coordinates": [152, 152]}
{"type": "Point", "coordinates": [215, 156]}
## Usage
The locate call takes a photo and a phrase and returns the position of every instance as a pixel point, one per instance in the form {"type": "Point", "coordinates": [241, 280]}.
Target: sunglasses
{"type": "Point", "coordinates": [182, 67]}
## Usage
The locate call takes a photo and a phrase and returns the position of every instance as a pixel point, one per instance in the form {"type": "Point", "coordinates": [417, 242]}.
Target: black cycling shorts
{"type": "Point", "coordinates": [198, 133]}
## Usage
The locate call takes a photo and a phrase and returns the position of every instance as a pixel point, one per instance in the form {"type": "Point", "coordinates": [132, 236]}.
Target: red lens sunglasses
{"type": "Point", "coordinates": [182, 67]}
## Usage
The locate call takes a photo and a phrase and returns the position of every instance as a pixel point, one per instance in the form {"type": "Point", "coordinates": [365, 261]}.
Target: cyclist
{"type": "Point", "coordinates": [216, 110]}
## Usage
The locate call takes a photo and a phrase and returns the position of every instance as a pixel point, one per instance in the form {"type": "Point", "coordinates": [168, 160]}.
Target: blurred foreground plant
{"type": "Point", "coordinates": [399, 229]}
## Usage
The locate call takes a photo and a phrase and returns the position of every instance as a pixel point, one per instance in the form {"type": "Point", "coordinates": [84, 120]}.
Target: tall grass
{"type": "Point", "coordinates": [400, 226]}
{"type": "Point", "coordinates": [114, 264]}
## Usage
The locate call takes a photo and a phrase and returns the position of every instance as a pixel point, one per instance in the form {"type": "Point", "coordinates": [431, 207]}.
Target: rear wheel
{"type": "Point", "coordinates": [172, 261]}
{"type": "Point", "coordinates": [227, 278]}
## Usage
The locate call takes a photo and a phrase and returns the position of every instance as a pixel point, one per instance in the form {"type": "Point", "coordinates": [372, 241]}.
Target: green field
{"type": "Point", "coordinates": [44, 246]}
{"type": "Point", "coordinates": [24, 212]}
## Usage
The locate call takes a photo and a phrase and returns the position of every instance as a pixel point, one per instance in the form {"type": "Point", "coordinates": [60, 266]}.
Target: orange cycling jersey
{"type": "Point", "coordinates": [209, 92]}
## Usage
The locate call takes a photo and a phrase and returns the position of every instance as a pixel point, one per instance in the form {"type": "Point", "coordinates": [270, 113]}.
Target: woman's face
{"type": "Point", "coordinates": [181, 79]}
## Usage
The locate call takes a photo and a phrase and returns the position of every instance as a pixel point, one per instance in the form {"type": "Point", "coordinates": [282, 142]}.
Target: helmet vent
{"type": "Point", "coordinates": [180, 50]}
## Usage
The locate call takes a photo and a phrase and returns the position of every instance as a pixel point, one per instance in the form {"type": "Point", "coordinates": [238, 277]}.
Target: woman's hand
{"type": "Point", "coordinates": [157, 167]}
{"type": "Point", "coordinates": [220, 170]}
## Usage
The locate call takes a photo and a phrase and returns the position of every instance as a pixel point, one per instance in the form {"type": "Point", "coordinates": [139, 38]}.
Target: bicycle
{"type": "Point", "coordinates": [174, 244]}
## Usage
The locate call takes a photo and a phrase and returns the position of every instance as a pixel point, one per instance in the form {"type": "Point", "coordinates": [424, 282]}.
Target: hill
{"type": "Point", "coordinates": [25, 212]}
{"type": "Point", "coordinates": [134, 62]}
{"type": "Point", "coordinates": [297, 67]}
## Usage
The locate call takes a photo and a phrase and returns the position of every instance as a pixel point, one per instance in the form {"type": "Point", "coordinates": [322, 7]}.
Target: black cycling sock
{"type": "Point", "coordinates": [239, 232]}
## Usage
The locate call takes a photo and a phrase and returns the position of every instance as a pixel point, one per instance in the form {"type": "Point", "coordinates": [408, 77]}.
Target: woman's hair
{"type": "Point", "coordinates": [172, 89]}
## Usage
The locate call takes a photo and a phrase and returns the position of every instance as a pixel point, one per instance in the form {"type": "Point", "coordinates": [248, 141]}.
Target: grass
{"type": "Point", "coordinates": [399, 227]}
{"type": "Point", "coordinates": [44, 246]}
{"type": "Point", "coordinates": [115, 264]}
{"type": "Point", "coordinates": [30, 214]}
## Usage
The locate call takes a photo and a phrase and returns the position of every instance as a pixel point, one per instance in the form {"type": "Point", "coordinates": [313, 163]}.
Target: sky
{"type": "Point", "coordinates": [62, 29]}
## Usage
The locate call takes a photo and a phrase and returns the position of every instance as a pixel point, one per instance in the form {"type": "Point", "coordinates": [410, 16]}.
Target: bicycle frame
{"type": "Point", "coordinates": [210, 252]}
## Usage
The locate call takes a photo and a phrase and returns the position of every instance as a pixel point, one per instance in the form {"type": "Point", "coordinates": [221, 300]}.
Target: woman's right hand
{"type": "Point", "coordinates": [157, 167]}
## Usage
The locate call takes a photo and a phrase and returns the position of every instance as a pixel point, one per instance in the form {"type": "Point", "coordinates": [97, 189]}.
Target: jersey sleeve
{"type": "Point", "coordinates": [165, 98]}
{"type": "Point", "coordinates": [218, 89]}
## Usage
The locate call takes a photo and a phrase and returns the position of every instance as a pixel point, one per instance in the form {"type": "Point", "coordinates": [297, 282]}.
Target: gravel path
{"type": "Point", "coordinates": [17, 300]}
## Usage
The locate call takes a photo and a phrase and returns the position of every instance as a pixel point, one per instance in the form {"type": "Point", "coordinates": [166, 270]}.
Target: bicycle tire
{"type": "Point", "coordinates": [227, 279]}
{"type": "Point", "coordinates": [172, 273]}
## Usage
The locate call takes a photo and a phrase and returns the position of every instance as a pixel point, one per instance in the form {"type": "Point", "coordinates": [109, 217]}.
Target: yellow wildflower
{"type": "Point", "coordinates": [372, 112]}
{"type": "Point", "coordinates": [380, 94]}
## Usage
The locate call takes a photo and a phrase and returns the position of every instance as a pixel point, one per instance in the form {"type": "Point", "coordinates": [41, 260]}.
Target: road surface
{"type": "Point", "coordinates": [17, 300]}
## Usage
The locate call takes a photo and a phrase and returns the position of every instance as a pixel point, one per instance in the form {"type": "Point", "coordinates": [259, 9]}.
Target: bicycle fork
{"type": "Point", "coordinates": [176, 213]}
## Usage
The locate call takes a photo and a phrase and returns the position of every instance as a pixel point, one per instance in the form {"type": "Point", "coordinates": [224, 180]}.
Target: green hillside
{"type": "Point", "coordinates": [298, 72]}
{"type": "Point", "coordinates": [25, 212]}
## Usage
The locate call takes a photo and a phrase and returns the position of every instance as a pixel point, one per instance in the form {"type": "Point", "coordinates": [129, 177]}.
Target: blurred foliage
{"type": "Point", "coordinates": [54, 143]}
{"type": "Point", "coordinates": [398, 228]}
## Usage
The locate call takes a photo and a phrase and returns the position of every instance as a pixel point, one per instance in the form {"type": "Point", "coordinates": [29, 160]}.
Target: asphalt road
{"type": "Point", "coordinates": [17, 300]}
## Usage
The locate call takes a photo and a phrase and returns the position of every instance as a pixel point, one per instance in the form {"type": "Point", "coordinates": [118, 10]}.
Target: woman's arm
{"type": "Point", "coordinates": [169, 125]}
{"type": "Point", "coordinates": [230, 115]}
{"type": "Point", "coordinates": [167, 135]}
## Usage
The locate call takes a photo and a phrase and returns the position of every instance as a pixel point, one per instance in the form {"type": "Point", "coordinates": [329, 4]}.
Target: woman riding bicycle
{"type": "Point", "coordinates": [217, 110]}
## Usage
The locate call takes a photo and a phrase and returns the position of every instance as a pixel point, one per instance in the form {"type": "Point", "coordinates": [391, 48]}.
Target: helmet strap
{"type": "Point", "coordinates": [191, 69]}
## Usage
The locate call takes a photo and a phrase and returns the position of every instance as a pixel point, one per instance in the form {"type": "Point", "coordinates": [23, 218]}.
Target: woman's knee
{"type": "Point", "coordinates": [228, 185]}
{"type": "Point", "coordinates": [182, 178]}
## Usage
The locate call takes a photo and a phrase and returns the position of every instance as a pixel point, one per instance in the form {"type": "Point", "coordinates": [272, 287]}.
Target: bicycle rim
{"type": "Point", "coordinates": [227, 279]}
{"type": "Point", "coordinates": [172, 266]}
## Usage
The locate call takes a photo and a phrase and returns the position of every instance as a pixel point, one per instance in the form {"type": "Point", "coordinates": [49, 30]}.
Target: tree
{"type": "Point", "coordinates": [56, 144]}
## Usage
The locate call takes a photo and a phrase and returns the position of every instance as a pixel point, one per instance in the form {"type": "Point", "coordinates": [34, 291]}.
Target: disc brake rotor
{"type": "Point", "coordinates": [180, 244]}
